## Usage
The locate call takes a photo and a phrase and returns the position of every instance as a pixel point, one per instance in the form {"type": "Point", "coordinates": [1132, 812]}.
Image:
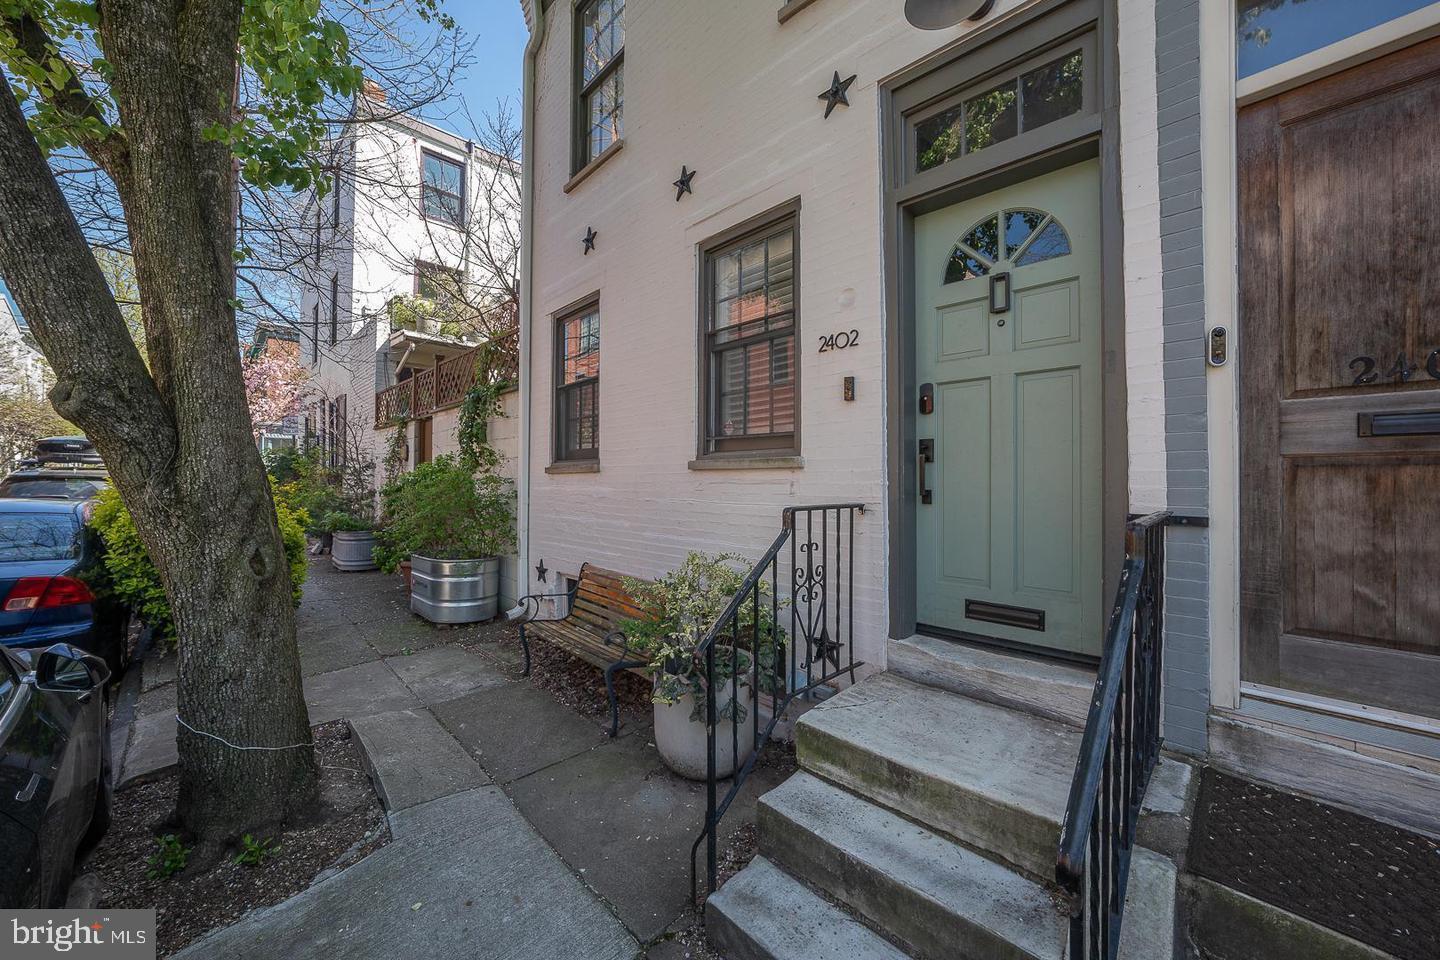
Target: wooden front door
{"type": "Point", "coordinates": [1340, 386]}
{"type": "Point", "coordinates": [1007, 335]}
{"type": "Point", "coordinates": [424, 440]}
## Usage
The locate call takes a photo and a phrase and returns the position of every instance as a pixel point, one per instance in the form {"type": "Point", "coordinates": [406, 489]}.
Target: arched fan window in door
{"type": "Point", "coordinates": [1029, 236]}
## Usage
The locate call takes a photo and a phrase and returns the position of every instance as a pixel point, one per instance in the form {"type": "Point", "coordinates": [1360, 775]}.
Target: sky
{"type": "Point", "coordinates": [497, 28]}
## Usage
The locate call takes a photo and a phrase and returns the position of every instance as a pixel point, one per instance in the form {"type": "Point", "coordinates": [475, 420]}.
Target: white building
{"type": "Point", "coordinates": [25, 367]}
{"type": "Point", "coordinates": [1008, 283]}
{"type": "Point", "coordinates": [400, 236]}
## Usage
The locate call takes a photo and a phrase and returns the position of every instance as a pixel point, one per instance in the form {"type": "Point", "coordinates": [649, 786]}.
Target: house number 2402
{"type": "Point", "coordinates": [1401, 370]}
{"type": "Point", "coordinates": [839, 341]}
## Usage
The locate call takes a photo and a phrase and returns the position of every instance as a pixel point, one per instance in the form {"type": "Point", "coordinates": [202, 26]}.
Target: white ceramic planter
{"type": "Point", "coordinates": [353, 550]}
{"type": "Point", "coordinates": [454, 591]}
{"type": "Point", "coordinates": [682, 741]}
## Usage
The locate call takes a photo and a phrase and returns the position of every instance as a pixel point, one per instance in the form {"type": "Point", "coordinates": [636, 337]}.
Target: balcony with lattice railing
{"type": "Point", "coordinates": [444, 385]}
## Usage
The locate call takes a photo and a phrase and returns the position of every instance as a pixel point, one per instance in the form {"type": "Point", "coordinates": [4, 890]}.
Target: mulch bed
{"type": "Point", "coordinates": [572, 681]}
{"type": "Point", "coordinates": [1376, 883]}
{"type": "Point", "coordinates": [349, 824]}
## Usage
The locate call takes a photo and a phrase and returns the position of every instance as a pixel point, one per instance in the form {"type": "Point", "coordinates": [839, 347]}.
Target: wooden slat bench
{"type": "Point", "coordinates": [598, 604]}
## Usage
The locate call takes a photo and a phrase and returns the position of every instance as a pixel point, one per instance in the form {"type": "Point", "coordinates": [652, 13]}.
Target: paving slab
{"type": "Point", "coordinates": [517, 729]}
{"type": "Point", "coordinates": [413, 760]}
{"type": "Point", "coordinates": [157, 700]}
{"type": "Point", "coordinates": [468, 878]}
{"type": "Point", "coordinates": [391, 637]}
{"type": "Point", "coordinates": [356, 692]}
{"type": "Point", "coordinates": [159, 670]}
{"type": "Point", "coordinates": [620, 817]}
{"type": "Point", "coordinates": [151, 750]}
{"type": "Point", "coordinates": [445, 673]}
{"type": "Point", "coordinates": [333, 647]}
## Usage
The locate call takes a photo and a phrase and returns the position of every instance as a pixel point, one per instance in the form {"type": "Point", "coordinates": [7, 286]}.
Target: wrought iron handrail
{"type": "Point", "coordinates": [1119, 751]}
{"type": "Point", "coordinates": [818, 595]}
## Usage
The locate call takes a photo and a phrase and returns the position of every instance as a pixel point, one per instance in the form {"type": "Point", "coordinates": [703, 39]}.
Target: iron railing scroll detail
{"type": "Point", "coordinates": [787, 632]}
{"type": "Point", "coordinates": [1119, 751]}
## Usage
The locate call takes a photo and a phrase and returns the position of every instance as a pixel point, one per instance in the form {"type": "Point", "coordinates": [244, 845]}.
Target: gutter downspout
{"type": "Point", "coordinates": [527, 239]}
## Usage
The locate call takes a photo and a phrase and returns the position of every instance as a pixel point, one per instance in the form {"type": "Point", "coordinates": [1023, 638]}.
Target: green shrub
{"type": "Point", "coordinates": [134, 580]}
{"type": "Point", "coordinates": [169, 859]}
{"type": "Point", "coordinates": [685, 603]}
{"type": "Point", "coordinates": [442, 510]}
{"type": "Point", "coordinates": [312, 487]}
{"type": "Point", "coordinates": [254, 852]}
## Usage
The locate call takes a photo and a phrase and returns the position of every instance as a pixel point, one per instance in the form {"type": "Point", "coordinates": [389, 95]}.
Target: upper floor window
{"type": "Point", "coordinates": [577, 389]}
{"type": "Point", "coordinates": [750, 360]}
{"type": "Point", "coordinates": [442, 191]}
{"type": "Point", "coordinates": [334, 306]}
{"type": "Point", "coordinates": [600, 77]}
{"type": "Point", "coordinates": [1272, 32]}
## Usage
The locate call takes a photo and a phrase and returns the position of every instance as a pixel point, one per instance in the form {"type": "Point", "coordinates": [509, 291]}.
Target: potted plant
{"type": "Point", "coordinates": [352, 546]}
{"type": "Point", "coordinates": [454, 527]}
{"type": "Point", "coordinates": [685, 604]}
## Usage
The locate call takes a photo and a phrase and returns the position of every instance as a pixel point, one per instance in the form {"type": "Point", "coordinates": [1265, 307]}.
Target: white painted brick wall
{"type": "Point", "coordinates": [724, 89]}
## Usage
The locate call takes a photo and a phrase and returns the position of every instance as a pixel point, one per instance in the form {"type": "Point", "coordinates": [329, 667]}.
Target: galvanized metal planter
{"type": "Point", "coordinates": [353, 550]}
{"type": "Point", "coordinates": [454, 591]}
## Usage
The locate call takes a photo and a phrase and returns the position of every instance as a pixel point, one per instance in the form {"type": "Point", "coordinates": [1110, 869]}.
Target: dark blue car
{"type": "Point", "coordinates": [50, 575]}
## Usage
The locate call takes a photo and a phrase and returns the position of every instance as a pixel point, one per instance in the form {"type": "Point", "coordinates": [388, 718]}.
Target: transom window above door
{"type": "Point", "coordinates": [994, 112]}
{"type": "Point", "coordinates": [1271, 32]}
{"type": "Point", "coordinates": [1028, 236]}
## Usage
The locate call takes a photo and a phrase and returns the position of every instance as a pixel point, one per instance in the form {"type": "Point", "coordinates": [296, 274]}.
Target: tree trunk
{"type": "Point", "coordinates": [176, 438]}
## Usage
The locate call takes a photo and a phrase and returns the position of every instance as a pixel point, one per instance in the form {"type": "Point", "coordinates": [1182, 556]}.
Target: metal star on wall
{"type": "Point", "coordinates": [682, 186]}
{"type": "Point", "coordinates": [541, 572]}
{"type": "Point", "coordinates": [589, 240]}
{"type": "Point", "coordinates": [836, 94]}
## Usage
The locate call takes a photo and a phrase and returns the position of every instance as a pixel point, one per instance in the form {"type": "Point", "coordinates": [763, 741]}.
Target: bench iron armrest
{"type": "Point", "coordinates": [532, 602]}
{"type": "Point", "coordinates": [618, 636]}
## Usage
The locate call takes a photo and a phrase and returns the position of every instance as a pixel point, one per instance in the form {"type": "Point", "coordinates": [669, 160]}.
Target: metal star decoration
{"type": "Point", "coordinates": [540, 571]}
{"type": "Point", "coordinates": [836, 94]}
{"type": "Point", "coordinates": [589, 240]}
{"type": "Point", "coordinates": [682, 186]}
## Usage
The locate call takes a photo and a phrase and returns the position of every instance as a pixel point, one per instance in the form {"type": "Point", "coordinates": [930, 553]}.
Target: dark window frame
{"type": "Point", "coordinates": [315, 329]}
{"type": "Point", "coordinates": [426, 187]}
{"type": "Point", "coordinates": [560, 448]}
{"type": "Point", "coordinates": [712, 445]}
{"type": "Point", "coordinates": [581, 91]}
{"type": "Point", "coordinates": [334, 307]}
{"type": "Point", "coordinates": [989, 71]}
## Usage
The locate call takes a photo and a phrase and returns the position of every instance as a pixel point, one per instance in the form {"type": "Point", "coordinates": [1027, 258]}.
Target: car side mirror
{"type": "Point", "coordinates": [66, 669]}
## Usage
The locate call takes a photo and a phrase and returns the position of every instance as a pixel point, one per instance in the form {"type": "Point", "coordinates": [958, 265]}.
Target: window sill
{"type": "Point", "coordinates": [791, 8]}
{"type": "Point", "coordinates": [778, 461]}
{"type": "Point", "coordinates": [574, 466]}
{"type": "Point", "coordinates": [584, 172]}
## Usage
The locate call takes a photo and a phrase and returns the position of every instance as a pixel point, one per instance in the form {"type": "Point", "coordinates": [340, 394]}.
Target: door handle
{"type": "Point", "coordinates": [26, 795]}
{"type": "Point", "coordinates": [924, 453]}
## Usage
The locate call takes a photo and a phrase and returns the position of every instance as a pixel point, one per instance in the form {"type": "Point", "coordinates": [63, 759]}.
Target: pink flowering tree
{"type": "Point", "coordinates": [276, 385]}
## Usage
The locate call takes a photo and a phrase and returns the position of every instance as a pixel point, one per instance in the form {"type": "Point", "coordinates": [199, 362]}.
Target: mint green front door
{"type": "Point", "coordinates": [1007, 322]}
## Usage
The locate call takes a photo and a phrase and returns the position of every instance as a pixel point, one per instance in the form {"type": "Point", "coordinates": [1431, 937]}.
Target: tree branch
{"type": "Point", "coordinates": [101, 381]}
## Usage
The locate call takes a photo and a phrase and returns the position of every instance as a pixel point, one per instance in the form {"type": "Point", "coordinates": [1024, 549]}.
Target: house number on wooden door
{"type": "Point", "coordinates": [1368, 369]}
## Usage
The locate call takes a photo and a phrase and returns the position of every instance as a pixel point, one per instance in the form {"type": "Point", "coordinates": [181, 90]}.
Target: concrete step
{"type": "Point", "coordinates": [994, 778]}
{"type": "Point", "coordinates": [1058, 691]}
{"type": "Point", "coordinates": [762, 913]}
{"type": "Point", "coordinates": [942, 901]}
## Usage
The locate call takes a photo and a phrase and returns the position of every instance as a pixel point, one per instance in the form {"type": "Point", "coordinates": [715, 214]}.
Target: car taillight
{"type": "Point", "coordinates": [30, 593]}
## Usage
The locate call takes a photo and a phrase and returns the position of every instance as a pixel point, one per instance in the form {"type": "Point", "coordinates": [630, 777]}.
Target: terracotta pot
{"type": "Point", "coordinates": [405, 572]}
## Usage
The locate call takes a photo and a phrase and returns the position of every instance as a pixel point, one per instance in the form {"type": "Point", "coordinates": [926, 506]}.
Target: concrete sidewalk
{"type": "Point", "coordinates": [520, 829]}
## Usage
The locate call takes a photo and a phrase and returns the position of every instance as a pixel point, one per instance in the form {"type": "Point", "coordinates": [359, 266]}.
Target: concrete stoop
{"type": "Point", "coordinates": [1226, 924]}
{"type": "Point", "coordinates": [922, 824]}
